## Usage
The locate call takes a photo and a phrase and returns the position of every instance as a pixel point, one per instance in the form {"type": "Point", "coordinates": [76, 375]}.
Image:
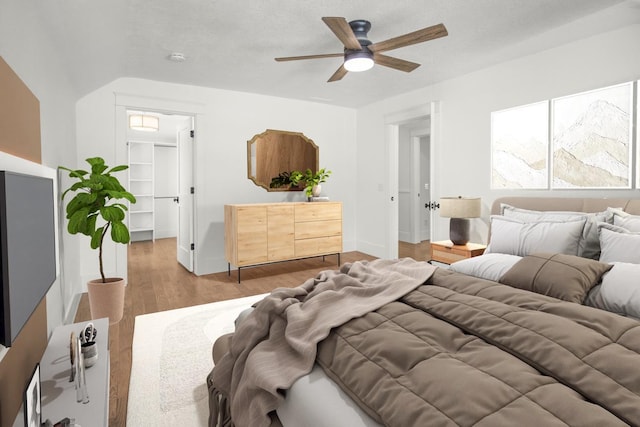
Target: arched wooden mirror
{"type": "Point", "coordinates": [273, 152]}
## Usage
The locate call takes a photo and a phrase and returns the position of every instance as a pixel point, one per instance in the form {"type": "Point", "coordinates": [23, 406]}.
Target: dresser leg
{"type": "Point", "coordinates": [238, 275]}
{"type": "Point", "coordinates": [228, 269]}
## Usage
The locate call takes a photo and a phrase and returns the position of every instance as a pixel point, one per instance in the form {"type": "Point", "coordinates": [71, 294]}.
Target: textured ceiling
{"type": "Point", "coordinates": [231, 44]}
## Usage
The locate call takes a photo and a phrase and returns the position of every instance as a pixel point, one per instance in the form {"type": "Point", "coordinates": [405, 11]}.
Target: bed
{"type": "Point", "coordinates": [541, 330]}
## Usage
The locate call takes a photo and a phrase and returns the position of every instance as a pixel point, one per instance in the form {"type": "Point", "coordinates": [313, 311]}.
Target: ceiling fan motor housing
{"type": "Point", "coordinates": [360, 28]}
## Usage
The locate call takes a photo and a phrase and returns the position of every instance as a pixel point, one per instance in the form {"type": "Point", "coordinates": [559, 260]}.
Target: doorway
{"type": "Point", "coordinates": [414, 191]}
{"type": "Point", "coordinates": [411, 139]}
{"type": "Point", "coordinates": [161, 178]}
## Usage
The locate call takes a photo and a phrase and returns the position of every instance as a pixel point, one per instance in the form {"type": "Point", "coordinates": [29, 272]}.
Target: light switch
{"type": "Point", "coordinates": [426, 186]}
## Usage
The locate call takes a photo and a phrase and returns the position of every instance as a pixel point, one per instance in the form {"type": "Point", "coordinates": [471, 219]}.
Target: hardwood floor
{"type": "Point", "coordinates": [420, 251]}
{"type": "Point", "coordinates": [157, 283]}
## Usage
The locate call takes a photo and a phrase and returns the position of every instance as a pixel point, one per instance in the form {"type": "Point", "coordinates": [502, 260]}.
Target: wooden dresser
{"type": "Point", "coordinates": [261, 233]}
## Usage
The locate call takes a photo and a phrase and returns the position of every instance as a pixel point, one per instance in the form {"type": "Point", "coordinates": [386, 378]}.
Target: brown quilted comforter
{"type": "Point", "coordinates": [463, 351]}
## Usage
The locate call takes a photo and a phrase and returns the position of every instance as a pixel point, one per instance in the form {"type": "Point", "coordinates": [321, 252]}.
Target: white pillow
{"type": "Point", "coordinates": [589, 245]}
{"type": "Point", "coordinates": [515, 237]}
{"type": "Point", "coordinates": [487, 266]}
{"type": "Point", "coordinates": [618, 245]}
{"type": "Point", "coordinates": [625, 220]}
{"type": "Point", "coordinates": [619, 291]}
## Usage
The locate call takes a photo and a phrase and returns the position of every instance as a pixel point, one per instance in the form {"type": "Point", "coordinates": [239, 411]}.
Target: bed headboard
{"type": "Point", "coordinates": [573, 204]}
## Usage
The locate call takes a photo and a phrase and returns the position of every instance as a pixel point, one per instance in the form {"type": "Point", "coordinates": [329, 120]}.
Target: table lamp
{"type": "Point", "coordinates": [459, 209]}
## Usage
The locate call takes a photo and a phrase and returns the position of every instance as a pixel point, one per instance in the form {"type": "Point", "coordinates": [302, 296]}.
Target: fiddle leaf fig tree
{"type": "Point", "coordinates": [94, 208]}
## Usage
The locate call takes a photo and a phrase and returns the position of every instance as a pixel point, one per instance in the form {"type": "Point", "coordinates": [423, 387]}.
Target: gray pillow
{"type": "Point", "coordinates": [589, 244]}
{"type": "Point", "coordinates": [515, 237]}
{"type": "Point", "coordinates": [625, 220]}
{"type": "Point", "coordinates": [618, 244]}
{"type": "Point", "coordinates": [566, 277]}
{"type": "Point", "coordinates": [620, 290]}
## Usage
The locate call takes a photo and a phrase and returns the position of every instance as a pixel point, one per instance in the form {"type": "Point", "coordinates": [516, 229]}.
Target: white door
{"type": "Point", "coordinates": [185, 198]}
{"type": "Point", "coordinates": [415, 190]}
{"type": "Point", "coordinates": [426, 206]}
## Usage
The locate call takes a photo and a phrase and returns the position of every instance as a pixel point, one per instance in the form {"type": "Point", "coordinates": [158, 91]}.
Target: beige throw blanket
{"type": "Point", "coordinates": [277, 343]}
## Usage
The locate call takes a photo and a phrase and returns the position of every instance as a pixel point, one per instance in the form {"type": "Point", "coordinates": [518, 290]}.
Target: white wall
{"type": "Point", "coordinates": [462, 156]}
{"type": "Point", "coordinates": [28, 51]}
{"type": "Point", "coordinates": [225, 120]}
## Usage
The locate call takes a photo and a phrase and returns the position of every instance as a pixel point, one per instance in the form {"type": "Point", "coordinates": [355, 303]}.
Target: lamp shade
{"type": "Point", "coordinates": [460, 207]}
{"type": "Point", "coordinates": [144, 122]}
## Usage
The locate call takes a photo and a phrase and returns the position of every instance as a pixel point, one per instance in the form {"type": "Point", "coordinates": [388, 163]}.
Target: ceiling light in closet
{"type": "Point", "coordinates": [144, 122]}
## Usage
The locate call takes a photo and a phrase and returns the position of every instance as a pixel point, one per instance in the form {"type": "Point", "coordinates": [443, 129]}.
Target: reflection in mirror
{"type": "Point", "coordinates": [273, 152]}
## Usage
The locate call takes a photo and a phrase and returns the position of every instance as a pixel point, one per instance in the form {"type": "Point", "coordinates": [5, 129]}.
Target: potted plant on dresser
{"type": "Point", "coordinates": [311, 180]}
{"type": "Point", "coordinates": [95, 211]}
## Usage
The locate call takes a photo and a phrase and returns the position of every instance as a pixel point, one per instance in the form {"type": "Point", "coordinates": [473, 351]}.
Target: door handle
{"type": "Point", "coordinates": [432, 205]}
{"type": "Point", "coordinates": [176, 199]}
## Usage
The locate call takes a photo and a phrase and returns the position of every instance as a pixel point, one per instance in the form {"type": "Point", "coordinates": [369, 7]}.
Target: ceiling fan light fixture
{"type": "Point", "coordinates": [359, 60]}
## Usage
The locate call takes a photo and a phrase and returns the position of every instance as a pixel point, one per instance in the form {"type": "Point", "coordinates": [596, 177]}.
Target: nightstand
{"type": "Point", "coordinates": [446, 252]}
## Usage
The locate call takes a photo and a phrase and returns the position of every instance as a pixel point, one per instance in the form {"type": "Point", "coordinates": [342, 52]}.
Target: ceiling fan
{"type": "Point", "coordinates": [360, 54]}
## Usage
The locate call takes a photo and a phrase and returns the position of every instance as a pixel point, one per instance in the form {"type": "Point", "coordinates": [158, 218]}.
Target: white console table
{"type": "Point", "coordinates": [59, 395]}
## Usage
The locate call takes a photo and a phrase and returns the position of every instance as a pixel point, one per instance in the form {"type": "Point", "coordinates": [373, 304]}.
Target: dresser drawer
{"type": "Point", "coordinates": [447, 255]}
{"type": "Point", "coordinates": [312, 229]}
{"type": "Point", "coordinates": [319, 246]}
{"type": "Point", "coordinates": [318, 211]}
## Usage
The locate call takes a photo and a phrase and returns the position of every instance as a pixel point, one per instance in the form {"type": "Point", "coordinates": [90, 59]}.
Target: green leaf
{"type": "Point", "coordinates": [118, 168]}
{"type": "Point", "coordinates": [93, 161]}
{"type": "Point", "coordinates": [130, 197]}
{"type": "Point", "coordinates": [74, 205]}
{"type": "Point", "coordinates": [96, 238]}
{"type": "Point", "coordinates": [121, 206]}
{"type": "Point", "coordinates": [112, 213]}
{"type": "Point", "coordinates": [78, 221]}
{"type": "Point", "coordinates": [119, 232]}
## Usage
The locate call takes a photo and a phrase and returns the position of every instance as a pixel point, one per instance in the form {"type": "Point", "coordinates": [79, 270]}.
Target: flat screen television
{"type": "Point", "coordinates": [27, 248]}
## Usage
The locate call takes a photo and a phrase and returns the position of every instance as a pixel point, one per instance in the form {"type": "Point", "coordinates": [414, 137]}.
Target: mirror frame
{"type": "Point", "coordinates": [266, 135]}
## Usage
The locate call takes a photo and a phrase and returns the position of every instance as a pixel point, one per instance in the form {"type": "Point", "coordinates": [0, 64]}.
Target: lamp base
{"type": "Point", "coordinates": [459, 230]}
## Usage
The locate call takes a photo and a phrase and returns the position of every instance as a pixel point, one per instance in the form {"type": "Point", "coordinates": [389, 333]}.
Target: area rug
{"type": "Point", "coordinates": [171, 359]}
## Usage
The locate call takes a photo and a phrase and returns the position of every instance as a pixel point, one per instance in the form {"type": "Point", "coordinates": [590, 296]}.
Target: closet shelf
{"type": "Point", "coordinates": [136, 230]}
{"type": "Point", "coordinates": [141, 179]}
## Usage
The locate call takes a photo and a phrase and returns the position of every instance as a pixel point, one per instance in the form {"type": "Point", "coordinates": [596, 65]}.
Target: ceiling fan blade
{"type": "Point", "coordinates": [338, 75]}
{"type": "Point", "coordinates": [343, 31]}
{"type": "Point", "coordinates": [391, 62]}
{"type": "Point", "coordinates": [426, 34]}
{"type": "Point", "coordinates": [322, 55]}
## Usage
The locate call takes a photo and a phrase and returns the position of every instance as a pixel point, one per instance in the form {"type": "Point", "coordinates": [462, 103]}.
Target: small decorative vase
{"type": "Point", "coordinates": [90, 353]}
{"type": "Point", "coordinates": [316, 190]}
